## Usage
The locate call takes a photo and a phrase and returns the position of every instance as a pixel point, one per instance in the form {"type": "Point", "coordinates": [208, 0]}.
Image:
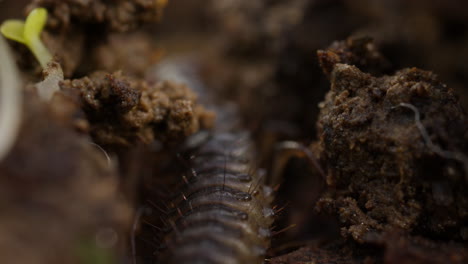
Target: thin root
{"type": "Point", "coordinates": [458, 156]}
{"type": "Point", "coordinates": [109, 161]}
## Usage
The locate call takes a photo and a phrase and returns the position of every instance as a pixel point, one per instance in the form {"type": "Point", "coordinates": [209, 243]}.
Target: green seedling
{"type": "Point", "coordinates": [29, 33]}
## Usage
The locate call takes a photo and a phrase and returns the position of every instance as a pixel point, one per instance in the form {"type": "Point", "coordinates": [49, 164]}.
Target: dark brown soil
{"type": "Point", "coordinates": [123, 111]}
{"type": "Point", "coordinates": [315, 254]}
{"type": "Point", "coordinates": [379, 165]}
{"type": "Point", "coordinates": [254, 28]}
{"type": "Point", "coordinates": [77, 34]}
{"type": "Point", "coordinates": [114, 15]}
{"type": "Point", "coordinates": [116, 55]}
{"type": "Point", "coordinates": [403, 249]}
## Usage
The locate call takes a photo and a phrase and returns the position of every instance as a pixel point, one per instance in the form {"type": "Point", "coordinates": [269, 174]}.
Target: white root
{"type": "Point", "coordinates": [108, 158]}
{"type": "Point", "coordinates": [458, 156]}
{"type": "Point", "coordinates": [10, 100]}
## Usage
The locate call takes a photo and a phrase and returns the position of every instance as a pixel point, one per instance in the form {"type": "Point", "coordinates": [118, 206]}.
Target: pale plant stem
{"type": "Point", "coordinates": [40, 51]}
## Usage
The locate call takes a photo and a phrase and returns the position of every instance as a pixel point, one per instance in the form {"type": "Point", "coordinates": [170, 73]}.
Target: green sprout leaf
{"type": "Point", "coordinates": [13, 29]}
{"type": "Point", "coordinates": [34, 25]}
{"type": "Point", "coordinates": [29, 33]}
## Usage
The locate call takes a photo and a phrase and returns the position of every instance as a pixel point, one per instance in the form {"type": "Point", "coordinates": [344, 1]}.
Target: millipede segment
{"type": "Point", "coordinates": [222, 213]}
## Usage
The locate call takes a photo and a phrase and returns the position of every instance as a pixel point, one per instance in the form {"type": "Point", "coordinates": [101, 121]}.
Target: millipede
{"type": "Point", "coordinates": [222, 213]}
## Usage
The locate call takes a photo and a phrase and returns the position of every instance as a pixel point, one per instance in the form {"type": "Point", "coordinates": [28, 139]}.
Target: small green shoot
{"type": "Point", "coordinates": [29, 33]}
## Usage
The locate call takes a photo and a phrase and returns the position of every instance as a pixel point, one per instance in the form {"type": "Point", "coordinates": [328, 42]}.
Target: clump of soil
{"type": "Point", "coordinates": [77, 34]}
{"type": "Point", "coordinates": [122, 110]}
{"type": "Point", "coordinates": [112, 15]}
{"type": "Point", "coordinates": [409, 32]}
{"type": "Point", "coordinates": [59, 196]}
{"type": "Point", "coordinates": [396, 184]}
{"type": "Point", "coordinates": [382, 172]}
{"type": "Point", "coordinates": [318, 254]}
{"type": "Point", "coordinates": [115, 54]}
{"type": "Point", "coordinates": [360, 52]}
{"type": "Point", "coordinates": [256, 27]}
{"type": "Point", "coordinates": [400, 248]}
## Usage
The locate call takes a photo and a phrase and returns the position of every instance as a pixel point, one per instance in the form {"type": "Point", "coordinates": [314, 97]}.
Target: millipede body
{"type": "Point", "coordinates": [221, 213]}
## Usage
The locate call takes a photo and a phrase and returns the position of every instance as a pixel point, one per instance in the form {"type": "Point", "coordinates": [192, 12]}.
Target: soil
{"type": "Point", "coordinates": [316, 254]}
{"type": "Point", "coordinates": [116, 15]}
{"type": "Point", "coordinates": [373, 93]}
{"type": "Point", "coordinates": [378, 161]}
{"type": "Point", "coordinates": [385, 169]}
{"type": "Point", "coordinates": [122, 110]}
